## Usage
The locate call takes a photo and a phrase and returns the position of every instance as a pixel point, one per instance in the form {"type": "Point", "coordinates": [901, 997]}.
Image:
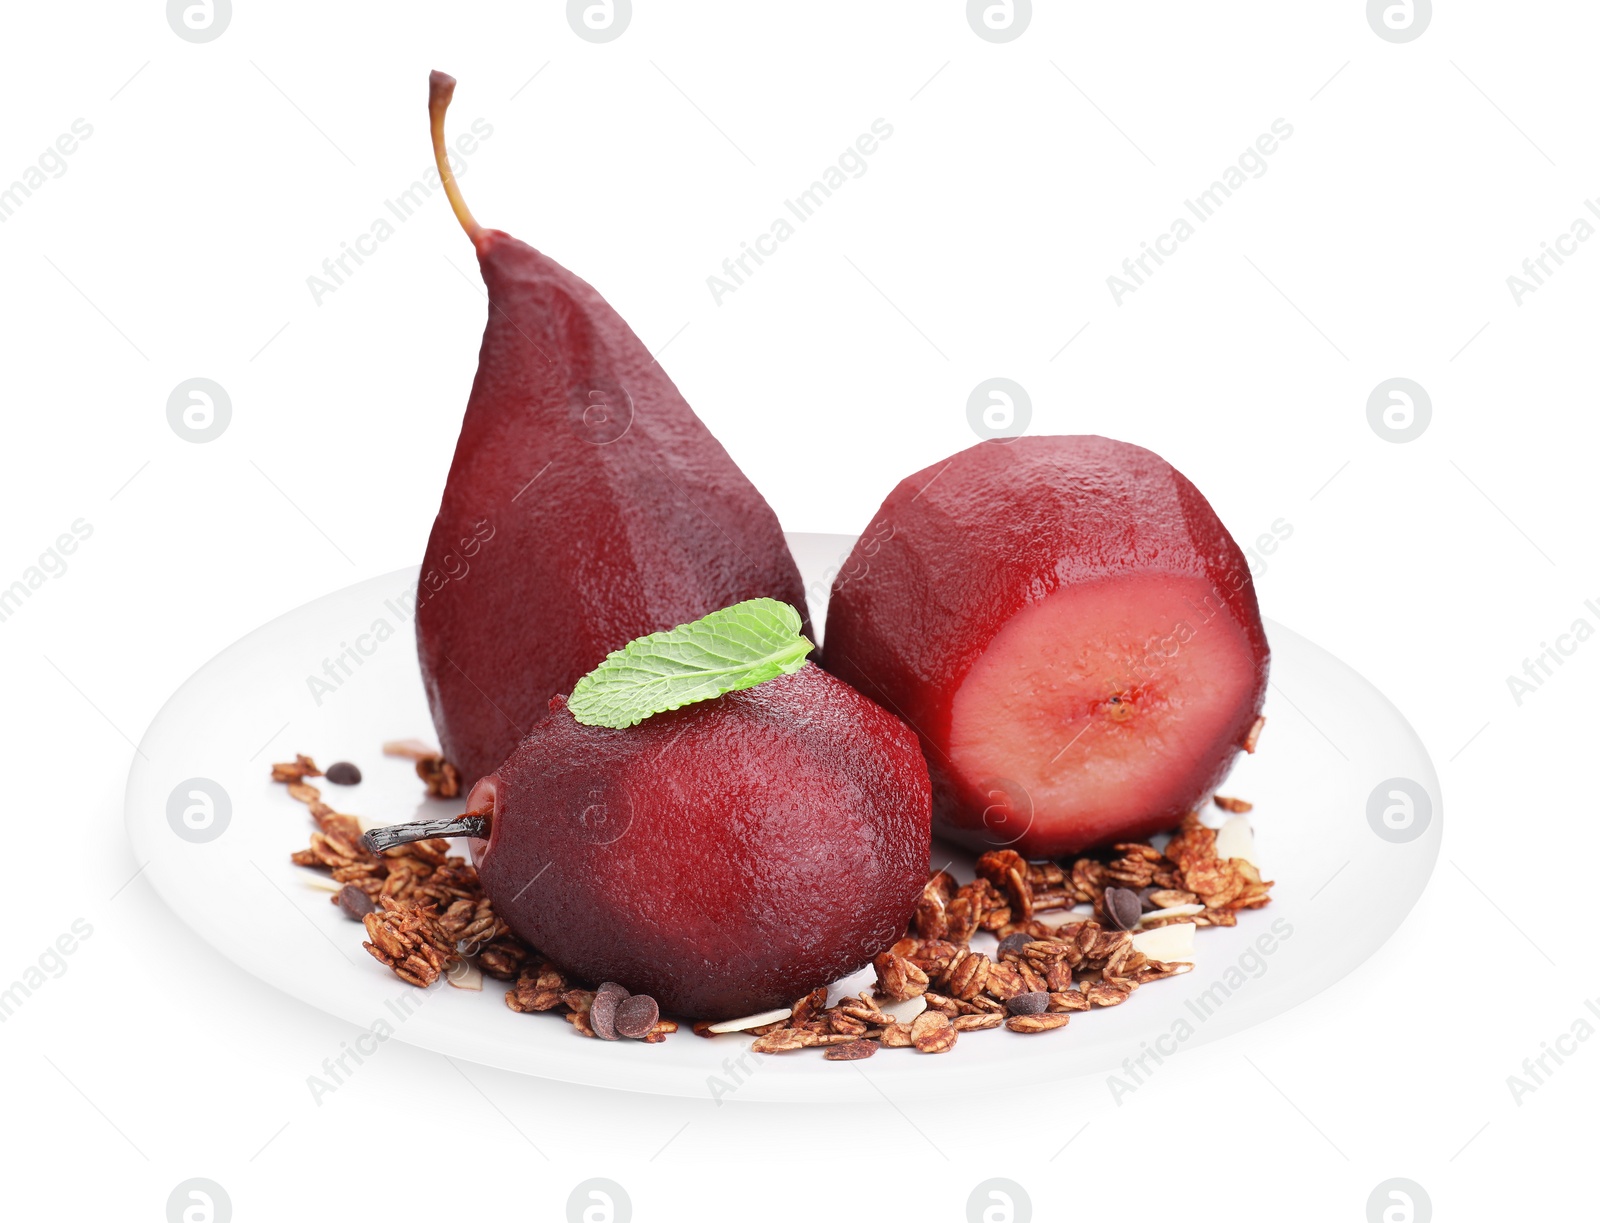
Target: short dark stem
{"type": "Point", "coordinates": [380, 839]}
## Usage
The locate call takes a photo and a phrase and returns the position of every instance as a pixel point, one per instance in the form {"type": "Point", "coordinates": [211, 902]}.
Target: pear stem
{"type": "Point", "coordinates": [441, 88]}
{"type": "Point", "coordinates": [380, 839]}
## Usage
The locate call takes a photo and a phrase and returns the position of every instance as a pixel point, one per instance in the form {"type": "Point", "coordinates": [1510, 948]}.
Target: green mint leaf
{"type": "Point", "coordinates": [729, 650]}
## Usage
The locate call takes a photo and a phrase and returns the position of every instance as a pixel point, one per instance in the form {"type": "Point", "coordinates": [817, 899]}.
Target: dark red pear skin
{"type": "Point", "coordinates": [1071, 631]}
{"type": "Point", "coordinates": [724, 858]}
{"type": "Point", "coordinates": [586, 505]}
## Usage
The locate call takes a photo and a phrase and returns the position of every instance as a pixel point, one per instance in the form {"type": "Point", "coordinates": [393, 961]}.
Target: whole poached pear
{"type": "Point", "coordinates": [586, 503]}
{"type": "Point", "coordinates": [725, 858]}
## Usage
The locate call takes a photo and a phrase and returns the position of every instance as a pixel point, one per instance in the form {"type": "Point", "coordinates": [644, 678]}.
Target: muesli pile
{"type": "Point", "coordinates": [426, 917]}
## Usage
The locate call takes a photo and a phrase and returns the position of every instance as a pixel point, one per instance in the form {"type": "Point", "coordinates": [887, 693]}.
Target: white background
{"type": "Point", "coordinates": [218, 178]}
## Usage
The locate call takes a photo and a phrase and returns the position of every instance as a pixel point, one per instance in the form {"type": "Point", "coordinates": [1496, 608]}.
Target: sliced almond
{"type": "Point", "coordinates": [409, 749]}
{"type": "Point", "coordinates": [318, 881]}
{"type": "Point", "coordinates": [1061, 917]}
{"type": "Point", "coordinates": [463, 975]}
{"type": "Point", "coordinates": [1167, 943]}
{"type": "Point", "coordinates": [903, 1012]}
{"type": "Point", "coordinates": [1251, 739]}
{"type": "Point", "coordinates": [750, 1021]}
{"type": "Point", "coordinates": [1174, 911]}
{"type": "Point", "coordinates": [1235, 839]}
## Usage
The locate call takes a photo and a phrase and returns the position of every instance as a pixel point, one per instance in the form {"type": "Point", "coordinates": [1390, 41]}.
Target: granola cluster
{"type": "Point", "coordinates": [1036, 979]}
{"type": "Point", "coordinates": [1040, 974]}
{"type": "Point", "coordinates": [425, 915]}
{"type": "Point", "coordinates": [426, 911]}
{"type": "Point", "coordinates": [1187, 872]}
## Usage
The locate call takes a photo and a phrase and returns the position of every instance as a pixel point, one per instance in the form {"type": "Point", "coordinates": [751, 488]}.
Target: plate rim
{"type": "Point", "coordinates": [667, 1080]}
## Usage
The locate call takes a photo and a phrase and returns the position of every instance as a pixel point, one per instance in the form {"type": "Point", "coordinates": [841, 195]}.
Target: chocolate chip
{"type": "Point", "coordinates": [1123, 908]}
{"type": "Point", "coordinates": [603, 1010]}
{"type": "Point", "coordinates": [343, 774]}
{"type": "Point", "coordinates": [636, 1015]}
{"type": "Point", "coordinates": [1028, 1004]}
{"type": "Point", "coordinates": [1014, 943]}
{"type": "Point", "coordinates": [1146, 905]}
{"type": "Point", "coordinates": [355, 903]}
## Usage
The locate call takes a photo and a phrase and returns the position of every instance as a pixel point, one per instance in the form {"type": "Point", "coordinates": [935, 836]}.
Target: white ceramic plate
{"type": "Point", "coordinates": [1331, 744]}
